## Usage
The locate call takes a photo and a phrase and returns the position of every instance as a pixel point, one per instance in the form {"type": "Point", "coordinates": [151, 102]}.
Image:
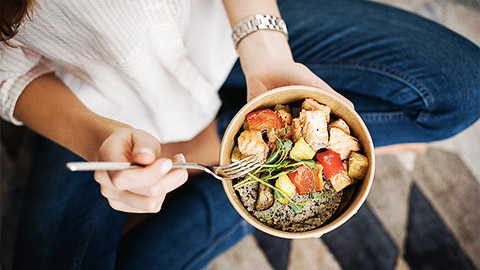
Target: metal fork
{"type": "Point", "coordinates": [228, 172]}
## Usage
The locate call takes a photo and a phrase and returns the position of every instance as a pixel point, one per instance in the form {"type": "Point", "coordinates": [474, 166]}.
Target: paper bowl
{"type": "Point", "coordinates": [354, 196]}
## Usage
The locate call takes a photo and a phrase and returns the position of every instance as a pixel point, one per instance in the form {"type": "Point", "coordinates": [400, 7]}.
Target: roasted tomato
{"type": "Point", "coordinates": [303, 179]}
{"type": "Point", "coordinates": [331, 162]}
{"type": "Point", "coordinates": [264, 119]}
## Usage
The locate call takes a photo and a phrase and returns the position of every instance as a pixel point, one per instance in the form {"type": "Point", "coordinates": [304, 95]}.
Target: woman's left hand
{"type": "Point", "coordinates": [268, 63]}
{"type": "Point", "coordinates": [283, 75]}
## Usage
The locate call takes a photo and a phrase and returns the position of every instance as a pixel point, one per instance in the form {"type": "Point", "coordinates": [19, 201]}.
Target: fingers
{"type": "Point", "coordinates": [120, 206]}
{"type": "Point", "coordinates": [141, 177]}
{"type": "Point", "coordinates": [126, 201]}
{"type": "Point", "coordinates": [142, 190]}
{"type": "Point", "coordinates": [283, 75]}
{"type": "Point", "coordinates": [145, 148]}
{"type": "Point", "coordinates": [131, 145]}
{"type": "Point", "coordinates": [169, 182]}
{"type": "Point", "coordinates": [313, 80]}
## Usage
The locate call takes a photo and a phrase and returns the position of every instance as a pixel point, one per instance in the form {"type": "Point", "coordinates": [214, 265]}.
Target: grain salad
{"type": "Point", "coordinates": [310, 157]}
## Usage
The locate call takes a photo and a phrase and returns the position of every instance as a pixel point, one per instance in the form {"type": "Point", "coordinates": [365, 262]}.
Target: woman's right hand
{"type": "Point", "coordinates": [140, 190]}
{"type": "Point", "coordinates": [48, 107]}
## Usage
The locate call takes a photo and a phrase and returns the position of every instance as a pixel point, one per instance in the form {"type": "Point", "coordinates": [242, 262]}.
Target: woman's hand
{"type": "Point", "coordinates": [284, 74]}
{"type": "Point", "coordinates": [139, 190]}
{"type": "Point", "coordinates": [268, 63]}
{"type": "Point", "coordinates": [265, 55]}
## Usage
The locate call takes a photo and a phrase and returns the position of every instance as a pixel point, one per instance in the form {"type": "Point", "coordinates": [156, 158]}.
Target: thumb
{"type": "Point", "coordinates": [146, 149]}
{"type": "Point", "coordinates": [315, 81]}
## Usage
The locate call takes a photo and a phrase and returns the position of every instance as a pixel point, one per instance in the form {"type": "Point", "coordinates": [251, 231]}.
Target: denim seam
{"type": "Point", "coordinates": [383, 117]}
{"type": "Point", "coordinates": [215, 242]}
{"type": "Point", "coordinates": [87, 235]}
{"type": "Point", "coordinates": [398, 75]}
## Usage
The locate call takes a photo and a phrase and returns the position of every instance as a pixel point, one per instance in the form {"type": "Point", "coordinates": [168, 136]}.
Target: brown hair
{"type": "Point", "coordinates": [12, 13]}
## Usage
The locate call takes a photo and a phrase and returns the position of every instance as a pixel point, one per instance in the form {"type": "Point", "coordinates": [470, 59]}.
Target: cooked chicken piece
{"type": "Point", "coordinates": [311, 105]}
{"type": "Point", "coordinates": [341, 180]}
{"type": "Point", "coordinates": [315, 129]}
{"type": "Point", "coordinates": [265, 197]}
{"type": "Point", "coordinates": [286, 132]}
{"type": "Point", "coordinates": [342, 142]}
{"type": "Point", "coordinates": [286, 117]}
{"type": "Point", "coordinates": [296, 128]}
{"type": "Point", "coordinates": [340, 124]}
{"type": "Point", "coordinates": [285, 113]}
{"type": "Point", "coordinates": [250, 142]}
{"type": "Point", "coordinates": [272, 139]}
{"type": "Point", "coordinates": [274, 134]}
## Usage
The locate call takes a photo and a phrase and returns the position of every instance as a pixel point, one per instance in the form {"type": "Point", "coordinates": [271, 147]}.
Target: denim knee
{"type": "Point", "coordinates": [455, 88]}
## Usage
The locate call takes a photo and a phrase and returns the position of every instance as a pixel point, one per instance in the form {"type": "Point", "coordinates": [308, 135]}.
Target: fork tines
{"type": "Point", "coordinates": [242, 166]}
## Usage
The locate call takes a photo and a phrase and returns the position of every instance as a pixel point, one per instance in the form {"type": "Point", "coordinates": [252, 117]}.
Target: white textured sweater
{"type": "Point", "coordinates": [154, 64]}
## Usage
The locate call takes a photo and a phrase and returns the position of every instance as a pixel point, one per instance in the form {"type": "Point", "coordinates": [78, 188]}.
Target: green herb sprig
{"type": "Point", "coordinates": [276, 165]}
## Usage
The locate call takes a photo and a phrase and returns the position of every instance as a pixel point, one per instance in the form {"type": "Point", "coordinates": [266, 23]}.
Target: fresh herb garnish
{"type": "Point", "coordinates": [277, 164]}
{"type": "Point", "coordinates": [274, 211]}
{"type": "Point", "coordinates": [297, 208]}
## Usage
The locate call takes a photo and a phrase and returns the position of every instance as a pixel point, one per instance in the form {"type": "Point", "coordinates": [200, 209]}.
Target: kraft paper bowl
{"type": "Point", "coordinates": [354, 196]}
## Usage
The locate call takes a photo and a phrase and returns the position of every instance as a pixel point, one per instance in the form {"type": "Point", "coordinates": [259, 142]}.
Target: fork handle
{"type": "Point", "coordinates": [113, 166]}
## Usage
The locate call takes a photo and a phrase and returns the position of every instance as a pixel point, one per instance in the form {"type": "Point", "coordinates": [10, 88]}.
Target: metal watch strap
{"type": "Point", "coordinates": [255, 23]}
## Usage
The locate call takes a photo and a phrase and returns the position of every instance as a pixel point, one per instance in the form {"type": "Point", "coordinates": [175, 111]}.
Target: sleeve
{"type": "Point", "coordinates": [18, 67]}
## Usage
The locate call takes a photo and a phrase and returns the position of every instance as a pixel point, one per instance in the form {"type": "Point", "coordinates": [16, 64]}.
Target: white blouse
{"type": "Point", "coordinates": [154, 64]}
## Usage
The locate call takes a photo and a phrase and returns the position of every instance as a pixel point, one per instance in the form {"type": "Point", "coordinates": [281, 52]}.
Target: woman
{"type": "Point", "coordinates": [138, 82]}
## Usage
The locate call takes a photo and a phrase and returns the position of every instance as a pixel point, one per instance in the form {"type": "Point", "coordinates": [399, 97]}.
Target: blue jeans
{"type": "Point", "coordinates": [411, 80]}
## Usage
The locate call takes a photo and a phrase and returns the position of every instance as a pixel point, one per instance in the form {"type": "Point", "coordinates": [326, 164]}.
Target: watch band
{"type": "Point", "coordinates": [255, 23]}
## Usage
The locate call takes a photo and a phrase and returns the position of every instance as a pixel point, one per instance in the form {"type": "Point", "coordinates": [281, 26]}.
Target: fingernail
{"type": "Point", "coordinates": [146, 151]}
{"type": "Point", "coordinates": [180, 157]}
{"type": "Point", "coordinates": [166, 166]}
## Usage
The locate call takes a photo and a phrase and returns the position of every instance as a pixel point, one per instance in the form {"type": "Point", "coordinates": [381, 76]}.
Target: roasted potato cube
{"type": "Point", "coordinates": [301, 150]}
{"type": "Point", "coordinates": [357, 165]}
{"type": "Point", "coordinates": [286, 186]}
{"type": "Point", "coordinates": [236, 155]}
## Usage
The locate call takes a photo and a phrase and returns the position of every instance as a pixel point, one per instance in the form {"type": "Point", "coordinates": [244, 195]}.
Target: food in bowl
{"type": "Point", "coordinates": [310, 157]}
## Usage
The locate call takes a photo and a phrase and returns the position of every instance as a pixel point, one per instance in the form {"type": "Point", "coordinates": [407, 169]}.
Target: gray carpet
{"type": "Point", "coordinates": [426, 218]}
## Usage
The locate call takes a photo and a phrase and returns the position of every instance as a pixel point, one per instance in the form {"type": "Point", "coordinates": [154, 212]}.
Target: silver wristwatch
{"type": "Point", "coordinates": [255, 23]}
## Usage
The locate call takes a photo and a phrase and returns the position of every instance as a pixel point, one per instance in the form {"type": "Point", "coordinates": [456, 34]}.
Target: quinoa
{"type": "Point", "coordinates": [280, 216]}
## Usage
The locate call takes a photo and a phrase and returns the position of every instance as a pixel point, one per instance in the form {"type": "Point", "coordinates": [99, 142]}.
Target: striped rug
{"type": "Point", "coordinates": [423, 218]}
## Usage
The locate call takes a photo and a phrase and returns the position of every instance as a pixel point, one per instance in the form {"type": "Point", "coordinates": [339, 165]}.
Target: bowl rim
{"type": "Point", "coordinates": [345, 215]}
